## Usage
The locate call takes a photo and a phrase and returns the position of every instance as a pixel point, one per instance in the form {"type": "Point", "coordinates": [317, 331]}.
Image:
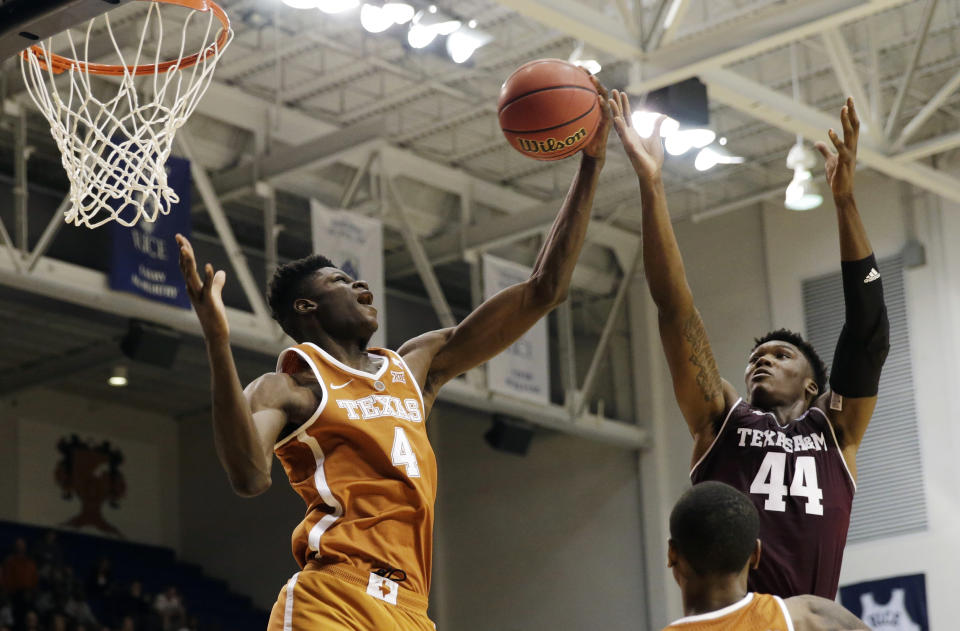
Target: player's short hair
{"type": "Point", "coordinates": [786, 335]}
{"type": "Point", "coordinates": [287, 281]}
{"type": "Point", "coordinates": [714, 527]}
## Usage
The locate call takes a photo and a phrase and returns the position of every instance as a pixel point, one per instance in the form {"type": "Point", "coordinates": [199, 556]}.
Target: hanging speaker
{"type": "Point", "coordinates": [509, 434]}
{"type": "Point", "coordinates": [686, 102]}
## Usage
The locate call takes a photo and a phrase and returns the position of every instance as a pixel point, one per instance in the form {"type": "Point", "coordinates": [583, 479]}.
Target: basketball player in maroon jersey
{"type": "Point", "coordinates": [791, 444]}
{"type": "Point", "coordinates": [347, 421]}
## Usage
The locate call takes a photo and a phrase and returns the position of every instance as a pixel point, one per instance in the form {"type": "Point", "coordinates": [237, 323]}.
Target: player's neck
{"type": "Point", "coordinates": [708, 595]}
{"type": "Point", "coordinates": [785, 412]}
{"type": "Point", "coordinates": [351, 352]}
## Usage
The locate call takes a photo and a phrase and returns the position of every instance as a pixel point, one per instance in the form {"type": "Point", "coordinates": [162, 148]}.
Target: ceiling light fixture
{"type": "Point", "coordinates": [802, 193]}
{"type": "Point", "coordinates": [336, 6]}
{"type": "Point", "coordinates": [301, 4]}
{"type": "Point", "coordinates": [378, 18]}
{"type": "Point", "coordinates": [118, 377]}
{"type": "Point", "coordinates": [709, 157]}
{"type": "Point", "coordinates": [461, 44]}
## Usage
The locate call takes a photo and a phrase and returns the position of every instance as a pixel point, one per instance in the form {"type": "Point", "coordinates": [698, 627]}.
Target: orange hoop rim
{"type": "Point", "coordinates": [59, 63]}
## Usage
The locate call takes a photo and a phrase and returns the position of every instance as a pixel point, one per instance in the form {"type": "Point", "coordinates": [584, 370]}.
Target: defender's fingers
{"type": "Point", "coordinates": [837, 142]}
{"type": "Point", "coordinates": [657, 125]}
{"type": "Point", "coordinates": [846, 124]}
{"type": "Point", "coordinates": [614, 104]}
{"type": "Point", "coordinates": [854, 117]}
{"type": "Point", "coordinates": [625, 105]}
{"type": "Point", "coordinates": [822, 148]}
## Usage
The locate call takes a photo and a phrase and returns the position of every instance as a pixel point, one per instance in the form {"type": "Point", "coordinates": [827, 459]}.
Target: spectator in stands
{"type": "Point", "coordinates": [19, 571]}
{"type": "Point", "coordinates": [47, 553]}
{"type": "Point", "coordinates": [58, 622]}
{"type": "Point", "coordinates": [170, 608]}
{"type": "Point", "coordinates": [128, 624]}
{"type": "Point", "coordinates": [78, 608]}
{"type": "Point", "coordinates": [134, 603]}
{"type": "Point", "coordinates": [31, 621]}
{"type": "Point", "coordinates": [100, 584]}
{"type": "Point", "coordinates": [6, 611]}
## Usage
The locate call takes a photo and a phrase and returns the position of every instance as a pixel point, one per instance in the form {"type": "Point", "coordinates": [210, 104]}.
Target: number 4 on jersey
{"type": "Point", "coordinates": [769, 481]}
{"type": "Point", "coordinates": [402, 453]}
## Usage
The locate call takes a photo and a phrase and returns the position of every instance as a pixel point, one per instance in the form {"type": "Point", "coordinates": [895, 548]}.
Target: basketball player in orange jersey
{"type": "Point", "coordinates": [713, 545]}
{"type": "Point", "coordinates": [347, 421]}
{"type": "Point", "coordinates": [791, 444]}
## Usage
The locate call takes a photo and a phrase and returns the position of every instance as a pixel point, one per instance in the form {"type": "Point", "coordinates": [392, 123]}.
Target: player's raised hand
{"type": "Point", "coordinates": [840, 166]}
{"type": "Point", "coordinates": [597, 147]}
{"type": "Point", "coordinates": [646, 154]}
{"type": "Point", "coordinates": [205, 293]}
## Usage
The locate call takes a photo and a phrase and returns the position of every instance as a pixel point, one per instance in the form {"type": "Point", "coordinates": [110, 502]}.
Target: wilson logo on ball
{"type": "Point", "coordinates": [551, 144]}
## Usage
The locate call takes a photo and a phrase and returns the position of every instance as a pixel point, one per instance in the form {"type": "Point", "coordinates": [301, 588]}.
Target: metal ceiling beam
{"type": "Point", "coordinates": [929, 147]}
{"type": "Point", "coordinates": [849, 78]}
{"type": "Point", "coordinates": [582, 22]}
{"type": "Point", "coordinates": [450, 247]}
{"type": "Point", "coordinates": [89, 288]}
{"type": "Point", "coordinates": [722, 46]}
{"type": "Point", "coordinates": [669, 16]}
{"type": "Point", "coordinates": [781, 111]}
{"type": "Point", "coordinates": [218, 216]}
{"type": "Point", "coordinates": [53, 368]}
{"type": "Point", "coordinates": [289, 159]}
{"type": "Point", "coordinates": [928, 110]}
{"type": "Point", "coordinates": [911, 66]}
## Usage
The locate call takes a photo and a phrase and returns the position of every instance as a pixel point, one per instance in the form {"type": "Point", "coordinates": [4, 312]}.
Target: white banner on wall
{"type": "Point", "coordinates": [71, 478]}
{"type": "Point", "coordinates": [523, 370]}
{"type": "Point", "coordinates": [355, 244]}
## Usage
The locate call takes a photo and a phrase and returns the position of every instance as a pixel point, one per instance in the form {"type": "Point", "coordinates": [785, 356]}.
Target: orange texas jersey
{"type": "Point", "coordinates": [754, 612]}
{"type": "Point", "coordinates": [364, 466]}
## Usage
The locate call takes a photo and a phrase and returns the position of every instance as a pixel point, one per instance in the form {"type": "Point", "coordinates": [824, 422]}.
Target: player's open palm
{"type": "Point", "coordinates": [205, 293]}
{"type": "Point", "coordinates": [646, 154]}
{"type": "Point", "coordinates": [840, 166]}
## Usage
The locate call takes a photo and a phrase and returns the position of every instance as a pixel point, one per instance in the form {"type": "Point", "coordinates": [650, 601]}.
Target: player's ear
{"type": "Point", "coordinates": [303, 305]}
{"type": "Point", "coordinates": [811, 388]}
{"type": "Point", "coordinates": [672, 555]}
{"type": "Point", "coordinates": [755, 556]}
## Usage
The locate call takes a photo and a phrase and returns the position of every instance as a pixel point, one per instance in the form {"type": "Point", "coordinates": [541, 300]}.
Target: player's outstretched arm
{"type": "Point", "coordinates": [864, 341]}
{"type": "Point", "coordinates": [243, 434]}
{"type": "Point", "coordinates": [813, 613]}
{"type": "Point", "coordinates": [439, 356]}
{"type": "Point", "coordinates": [699, 390]}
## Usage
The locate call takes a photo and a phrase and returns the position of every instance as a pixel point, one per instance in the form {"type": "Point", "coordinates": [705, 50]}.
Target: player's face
{"type": "Point", "coordinates": [777, 374]}
{"type": "Point", "coordinates": [344, 306]}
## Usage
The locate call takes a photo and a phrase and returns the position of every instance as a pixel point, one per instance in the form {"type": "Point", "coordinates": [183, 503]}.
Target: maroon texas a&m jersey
{"type": "Point", "coordinates": [797, 478]}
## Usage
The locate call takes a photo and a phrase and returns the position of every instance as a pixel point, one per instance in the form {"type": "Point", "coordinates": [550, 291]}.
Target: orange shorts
{"type": "Point", "coordinates": [339, 598]}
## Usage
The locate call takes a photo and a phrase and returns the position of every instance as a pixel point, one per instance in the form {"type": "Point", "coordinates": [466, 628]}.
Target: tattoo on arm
{"type": "Point", "coordinates": [701, 356]}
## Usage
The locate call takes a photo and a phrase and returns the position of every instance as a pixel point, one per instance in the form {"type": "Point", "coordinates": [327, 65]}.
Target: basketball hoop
{"type": "Point", "coordinates": [114, 150]}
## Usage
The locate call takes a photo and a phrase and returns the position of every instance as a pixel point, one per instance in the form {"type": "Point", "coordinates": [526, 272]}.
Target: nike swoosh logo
{"type": "Point", "coordinates": [342, 385]}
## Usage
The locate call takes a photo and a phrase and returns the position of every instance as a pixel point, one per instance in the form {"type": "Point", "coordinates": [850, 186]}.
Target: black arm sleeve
{"type": "Point", "coordinates": [865, 338]}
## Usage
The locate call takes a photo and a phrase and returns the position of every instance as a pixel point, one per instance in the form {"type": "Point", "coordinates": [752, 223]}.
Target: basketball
{"type": "Point", "coordinates": [548, 109]}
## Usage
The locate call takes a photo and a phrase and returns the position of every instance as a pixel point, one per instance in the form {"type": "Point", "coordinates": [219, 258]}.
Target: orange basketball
{"type": "Point", "coordinates": [548, 109]}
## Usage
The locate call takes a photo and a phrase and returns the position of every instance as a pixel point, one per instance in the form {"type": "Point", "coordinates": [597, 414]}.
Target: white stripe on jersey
{"type": "Point", "coordinates": [320, 481]}
{"type": "Point", "coordinates": [288, 605]}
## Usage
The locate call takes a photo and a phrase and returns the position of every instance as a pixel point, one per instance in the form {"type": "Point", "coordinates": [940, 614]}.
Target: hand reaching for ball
{"type": "Point", "coordinates": [597, 147]}
{"type": "Point", "coordinates": [646, 154]}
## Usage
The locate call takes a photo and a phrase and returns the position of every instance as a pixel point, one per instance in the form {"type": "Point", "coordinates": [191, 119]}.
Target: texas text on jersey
{"type": "Point", "coordinates": [797, 478]}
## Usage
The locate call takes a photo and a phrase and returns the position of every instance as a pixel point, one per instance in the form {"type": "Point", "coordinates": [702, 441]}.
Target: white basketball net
{"type": "Point", "coordinates": [114, 150]}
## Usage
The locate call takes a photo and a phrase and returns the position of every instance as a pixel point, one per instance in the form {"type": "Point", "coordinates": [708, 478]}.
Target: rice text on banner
{"type": "Point", "coordinates": [523, 370]}
{"type": "Point", "coordinates": [145, 257]}
{"type": "Point", "coordinates": [355, 244]}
